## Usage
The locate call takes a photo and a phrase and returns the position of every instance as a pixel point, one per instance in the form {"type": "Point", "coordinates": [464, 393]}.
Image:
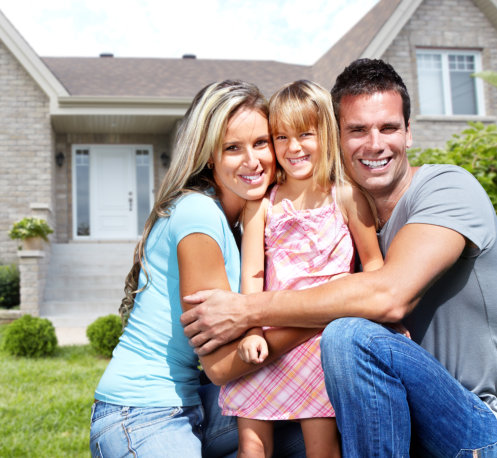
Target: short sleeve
{"type": "Point", "coordinates": [451, 197]}
{"type": "Point", "coordinates": [197, 213]}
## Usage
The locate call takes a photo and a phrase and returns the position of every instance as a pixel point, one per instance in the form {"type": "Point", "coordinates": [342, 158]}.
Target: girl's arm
{"type": "Point", "coordinates": [254, 220]}
{"type": "Point", "coordinates": [201, 266]}
{"type": "Point", "coordinates": [362, 227]}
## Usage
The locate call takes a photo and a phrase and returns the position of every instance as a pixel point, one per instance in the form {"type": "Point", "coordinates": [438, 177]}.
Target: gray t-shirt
{"type": "Point", "coordinates": [456, 320]}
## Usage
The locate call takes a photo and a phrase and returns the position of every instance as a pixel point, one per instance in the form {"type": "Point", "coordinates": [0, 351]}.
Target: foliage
{"type": "Point", "coordinates": [104, 334]}
{"type": "Point", "coordinates": [9, 286]}
{"type": "Point", "coordinates": [30, 227]}
{"type": "Point", "coordinates": [30, 336]}
{"type": "Point", "coordinates": [45, 403]}
{"type": "Point", "coordinates": [475, 149]}
{"type": "Point", "coordinates": [488, 75]}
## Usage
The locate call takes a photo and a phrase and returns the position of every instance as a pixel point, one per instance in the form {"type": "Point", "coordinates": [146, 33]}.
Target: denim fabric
{"type": "Point", "coordinates": [381, 384]}
{"type": "Point", "coordinates": [118, 431]}
{"type": "Point", "coordinates": [220, 439]}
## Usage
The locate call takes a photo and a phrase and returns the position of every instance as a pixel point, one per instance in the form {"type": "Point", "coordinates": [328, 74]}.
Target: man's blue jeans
{"type": "Point", "coordinates": [382, 384]}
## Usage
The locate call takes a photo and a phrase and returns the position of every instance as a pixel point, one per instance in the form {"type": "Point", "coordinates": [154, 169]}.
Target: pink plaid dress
{"type": "Point", "coordinates": [303, 249]}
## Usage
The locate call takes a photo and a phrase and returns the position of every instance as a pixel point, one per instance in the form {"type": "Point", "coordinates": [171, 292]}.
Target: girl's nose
{"type": "Point", "coordinates": [295, 144]}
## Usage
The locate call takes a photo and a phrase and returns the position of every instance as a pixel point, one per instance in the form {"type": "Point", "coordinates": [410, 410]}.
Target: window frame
{"type": "Point", "coordinates": [447, 95]}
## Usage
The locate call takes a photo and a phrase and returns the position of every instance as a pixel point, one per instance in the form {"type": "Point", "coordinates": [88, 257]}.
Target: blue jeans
{"type": "Point", "coordinates": [382, 384]}
{"type": "Point", "coordinates": [118, 431]}
{"type": "Point", "coordinates": [220, 435]}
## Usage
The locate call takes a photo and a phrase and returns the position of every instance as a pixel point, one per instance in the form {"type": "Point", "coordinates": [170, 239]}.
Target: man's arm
{"type": "Point", "coordinates": [417, 257]}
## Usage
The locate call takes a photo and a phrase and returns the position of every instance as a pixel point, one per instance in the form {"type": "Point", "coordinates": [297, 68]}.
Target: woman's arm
{"type": "Point", "coordinates": [362, 227]}
{"type": "Point", "coordinates": [201, 266]}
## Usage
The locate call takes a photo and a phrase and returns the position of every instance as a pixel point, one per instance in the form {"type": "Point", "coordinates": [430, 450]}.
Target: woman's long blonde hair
{"type": "Point", "coordinates": [199, 137]}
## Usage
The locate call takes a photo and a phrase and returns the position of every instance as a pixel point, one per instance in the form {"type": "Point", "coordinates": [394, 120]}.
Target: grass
{"type": "Point", "coordinates": [45, 402]}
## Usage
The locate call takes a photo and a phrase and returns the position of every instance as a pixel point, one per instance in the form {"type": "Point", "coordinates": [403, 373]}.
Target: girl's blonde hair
{"type": "Point", "coordinates": [302, 105]}
{"type": "Point", "coordinates": [199, 138]}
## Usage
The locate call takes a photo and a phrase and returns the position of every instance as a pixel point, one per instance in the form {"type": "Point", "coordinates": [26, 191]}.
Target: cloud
{"type": "Point", "coordinates": [295, 31]}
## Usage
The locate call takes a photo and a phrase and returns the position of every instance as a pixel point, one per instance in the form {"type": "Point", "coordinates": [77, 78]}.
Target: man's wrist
{"type": "Point", "coordinates": [256, 309]}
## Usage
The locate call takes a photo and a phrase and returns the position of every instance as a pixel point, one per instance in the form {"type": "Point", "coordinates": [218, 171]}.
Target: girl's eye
{"type": "Point", "coordinates": [280, 137]}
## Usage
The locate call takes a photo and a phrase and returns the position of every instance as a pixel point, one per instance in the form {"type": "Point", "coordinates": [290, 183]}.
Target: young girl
{"type": "Point", "coordinates": [300, 235]}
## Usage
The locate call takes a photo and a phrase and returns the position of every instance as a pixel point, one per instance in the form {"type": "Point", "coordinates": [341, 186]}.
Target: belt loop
{"type": "Point", "coordinates": [125, 411]}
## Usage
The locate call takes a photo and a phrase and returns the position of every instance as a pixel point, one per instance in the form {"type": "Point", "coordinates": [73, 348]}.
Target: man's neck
{"type": "Point", "coordinates": [386, 202]}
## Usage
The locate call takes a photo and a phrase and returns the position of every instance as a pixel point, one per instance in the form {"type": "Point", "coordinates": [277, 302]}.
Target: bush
{"type": "Point", "coordinates": [9, 286]}
{"type": "Point", "coordinates": [475, 149]}
{"type": "Point", "coordinates": [30, 336]}
{"type": "Point", "coordinates": [104, 334]}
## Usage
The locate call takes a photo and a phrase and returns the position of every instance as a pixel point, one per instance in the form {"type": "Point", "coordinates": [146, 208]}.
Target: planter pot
{"type": "Point", "coordinates": [32, 244]}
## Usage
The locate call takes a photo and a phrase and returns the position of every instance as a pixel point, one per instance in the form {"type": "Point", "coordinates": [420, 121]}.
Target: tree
{"type": "Point", "coordinates": [474, 149]}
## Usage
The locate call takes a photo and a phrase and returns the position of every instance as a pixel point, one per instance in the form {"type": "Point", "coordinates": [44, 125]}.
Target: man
{"type": "Point", "coordinates": [438, 234]}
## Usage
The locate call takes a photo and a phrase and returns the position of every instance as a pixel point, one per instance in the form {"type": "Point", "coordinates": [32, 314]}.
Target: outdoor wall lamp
{"type": "Point", "coordinates": [165, 159]}
{"type": "Point", "coordinates": [59, 159]}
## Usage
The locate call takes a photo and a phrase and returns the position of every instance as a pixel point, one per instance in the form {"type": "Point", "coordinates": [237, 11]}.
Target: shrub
{"type": "Point", "coordinates": [104, 334]}
{"type": "Point", "coordinates": [30, 336]}
{"type": "Point", "coordinates": [9, 286]}
{"type": "Point", "coordinates": [475, 149]}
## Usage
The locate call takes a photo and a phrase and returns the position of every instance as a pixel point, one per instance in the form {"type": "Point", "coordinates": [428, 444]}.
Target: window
{"type": "Point", "coordinates": [446, 86]}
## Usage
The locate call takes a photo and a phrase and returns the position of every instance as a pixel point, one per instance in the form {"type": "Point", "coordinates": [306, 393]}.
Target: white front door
{"type": "Point", "coordinates": [112, 191]}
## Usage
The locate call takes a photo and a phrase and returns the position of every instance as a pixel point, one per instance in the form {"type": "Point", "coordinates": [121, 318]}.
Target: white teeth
{"type": "Point", "coordinates": [299, 159]}
{"type": "Point", "coordinates": [374, 164]}
{"type": "Point", "coordinates": [251, 177]}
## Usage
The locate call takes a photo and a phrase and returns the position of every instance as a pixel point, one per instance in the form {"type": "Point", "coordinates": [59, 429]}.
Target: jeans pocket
{"type": "Point", "coordinates": [489, 451]}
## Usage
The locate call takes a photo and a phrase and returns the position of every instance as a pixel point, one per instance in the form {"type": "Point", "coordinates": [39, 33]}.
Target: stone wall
{"type": "Point", "coordinates": [456, 24]}
{"type": "Point", "coordinates": [26, 149]}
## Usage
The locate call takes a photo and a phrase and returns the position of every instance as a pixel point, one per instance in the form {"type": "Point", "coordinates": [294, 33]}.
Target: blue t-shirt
{"type": "Point", "coordinates": [153, 365]}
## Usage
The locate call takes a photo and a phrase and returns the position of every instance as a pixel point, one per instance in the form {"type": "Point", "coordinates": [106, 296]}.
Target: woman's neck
{"type": "Point", "coordinates": [232, 207]}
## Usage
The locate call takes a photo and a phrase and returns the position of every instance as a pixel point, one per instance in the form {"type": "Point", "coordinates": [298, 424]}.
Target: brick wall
{"type": "Point", "coordinates": [443, 24]}
{"type": "Point", "coordinates": [26, 149]}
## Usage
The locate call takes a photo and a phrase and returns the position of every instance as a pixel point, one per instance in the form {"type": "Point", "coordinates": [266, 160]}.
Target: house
{"type": "Point", "coordinates": [84, 142]}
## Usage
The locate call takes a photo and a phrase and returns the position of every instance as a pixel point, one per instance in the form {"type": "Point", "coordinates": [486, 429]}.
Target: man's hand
{"type": "Point", "coordinates": [218, 318]}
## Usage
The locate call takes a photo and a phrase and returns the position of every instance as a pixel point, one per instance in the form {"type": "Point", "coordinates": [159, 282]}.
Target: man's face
{"type": "Point", "coordinates": [374, 139]}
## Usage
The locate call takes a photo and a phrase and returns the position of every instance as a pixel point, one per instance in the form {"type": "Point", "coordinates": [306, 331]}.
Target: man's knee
{"type": "Point", "coordinates": [342, 333]}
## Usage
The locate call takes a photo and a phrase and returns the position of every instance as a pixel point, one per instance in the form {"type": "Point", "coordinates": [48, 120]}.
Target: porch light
{"type": "Point", "coordinates": [59, 159]}
{"type": "Point", "coordinates": [165, 159]}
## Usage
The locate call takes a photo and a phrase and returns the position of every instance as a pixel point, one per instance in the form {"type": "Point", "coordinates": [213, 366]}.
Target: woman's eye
{"type": "Point", "coordinates": [261, 143]}
{"type": "Point", "coordinates": [231, 148]}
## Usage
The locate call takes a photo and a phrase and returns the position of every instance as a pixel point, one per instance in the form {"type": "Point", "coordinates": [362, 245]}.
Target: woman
{"type": "Point", "coordinates": [147, 402]}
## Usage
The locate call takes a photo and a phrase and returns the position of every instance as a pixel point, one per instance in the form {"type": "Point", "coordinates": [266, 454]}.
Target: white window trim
{"type": "Point", "coordinates": [480, 100]}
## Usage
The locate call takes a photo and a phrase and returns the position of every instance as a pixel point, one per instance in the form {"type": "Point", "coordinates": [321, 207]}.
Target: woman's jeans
{"type": "Point", "coordinates": [382, 384]}
{"type": "Point", "coordinates": [185, 432]}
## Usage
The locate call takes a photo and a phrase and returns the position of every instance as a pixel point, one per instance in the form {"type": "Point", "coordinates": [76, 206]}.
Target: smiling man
{"type": "Point", "coordinates": [438, 233]}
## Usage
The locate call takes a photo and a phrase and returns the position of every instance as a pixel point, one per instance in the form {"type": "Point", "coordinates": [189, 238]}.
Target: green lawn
{"type": "Point", "coordinates": [45, 403]}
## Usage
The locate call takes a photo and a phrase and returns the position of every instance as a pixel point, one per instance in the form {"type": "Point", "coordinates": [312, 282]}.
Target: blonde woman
{"type": "Point", "coordinates": [147, 401]}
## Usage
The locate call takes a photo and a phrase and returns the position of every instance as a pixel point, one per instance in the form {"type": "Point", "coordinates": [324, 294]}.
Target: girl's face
{"type": "Point", "coordinates": [297, 152]}
{"type": "Point", "coordinates": [245, 167]}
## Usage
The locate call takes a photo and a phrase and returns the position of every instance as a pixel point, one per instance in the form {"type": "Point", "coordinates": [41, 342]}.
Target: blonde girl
{"type": "Point", "coordinates": [302, 233]}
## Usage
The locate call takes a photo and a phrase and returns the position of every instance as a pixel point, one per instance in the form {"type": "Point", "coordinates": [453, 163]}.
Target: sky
{"type": "Point", "coordinates": [293, 31]}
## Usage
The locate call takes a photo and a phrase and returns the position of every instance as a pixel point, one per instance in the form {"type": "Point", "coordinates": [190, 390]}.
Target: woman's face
{"type": "Point", "coordinates": [245, 167]}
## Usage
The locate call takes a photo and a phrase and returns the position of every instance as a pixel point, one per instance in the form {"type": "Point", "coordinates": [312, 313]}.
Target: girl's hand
{"type": "Point", "coordinates": [253, 349]}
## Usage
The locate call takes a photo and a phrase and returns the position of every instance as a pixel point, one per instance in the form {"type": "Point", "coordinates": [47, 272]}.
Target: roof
{"type": "Point", "coordinates": [146, 77]}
